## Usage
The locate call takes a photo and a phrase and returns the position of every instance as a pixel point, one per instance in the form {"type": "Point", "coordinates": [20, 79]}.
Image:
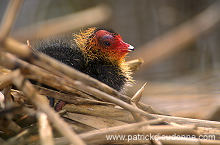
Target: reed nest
{"type": "Point", "coordinates": [95, 113]}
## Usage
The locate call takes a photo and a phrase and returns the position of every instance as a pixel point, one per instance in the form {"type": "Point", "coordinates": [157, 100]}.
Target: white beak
{"type": "Point", "coordinates": [131, 48]}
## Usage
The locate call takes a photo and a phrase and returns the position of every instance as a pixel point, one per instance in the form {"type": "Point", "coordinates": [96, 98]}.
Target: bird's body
{"type": "Point", "coordinates": [96, 52]}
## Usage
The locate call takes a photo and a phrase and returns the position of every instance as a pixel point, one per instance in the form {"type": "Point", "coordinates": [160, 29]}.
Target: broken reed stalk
{"type": "Point", "coordinates": [99, 136]}
{"type": "Point", "coordinates": [18, 96]}
{"type": "Point", "coordinates": [169, 119]}
{"type": "Point", "coordinates": [134, 101]}
{"type": "Point", "coordinates": [136, 98]}
{"type": "Point", "coordinates": [31, 93]}
{"type": "Point", "coordinates": [109, 112]}
{"type": "Point", "coordinates": [135, 64]}
{"type": "Point", "coordinates": [69, 98]}
{"type": "Point", "coordinates": [107, 97]}
{"type": "Point", "coordinates": [181, 120]}
{"type": "Point", "coordinates": [93, 121]}
{"type": "Point", "coordinates": [45, 130]}
{"type": "Point", "coordinates": [150, 130]}
{"type": "Point", "coordinates": [178, 37]}
{"type": "Point", "coordinates": [97, 133]}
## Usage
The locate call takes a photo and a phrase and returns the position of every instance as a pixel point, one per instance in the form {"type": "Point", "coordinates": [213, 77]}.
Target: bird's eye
{"type": "Point", "coordinates": [106, 43]}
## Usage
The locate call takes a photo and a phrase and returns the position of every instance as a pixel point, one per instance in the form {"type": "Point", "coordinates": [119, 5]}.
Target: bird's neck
{"type": "Point", "coordinates": [105, 58]}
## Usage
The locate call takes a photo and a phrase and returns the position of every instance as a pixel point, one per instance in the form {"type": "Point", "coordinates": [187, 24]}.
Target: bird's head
{"type": "Point", "coordinates": [100, 43]}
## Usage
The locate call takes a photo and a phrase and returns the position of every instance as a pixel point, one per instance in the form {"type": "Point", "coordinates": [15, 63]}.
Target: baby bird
{"type": "Point", "coordinates": [100, 53]}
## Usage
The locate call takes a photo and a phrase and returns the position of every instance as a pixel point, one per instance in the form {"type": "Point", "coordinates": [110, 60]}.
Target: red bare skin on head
{"type": "Point", "coordinates": [103, 45]}
{"type": "Point", "coordinates": [111, 44]}
{"type": "Point", "coordinates": [111, 41]}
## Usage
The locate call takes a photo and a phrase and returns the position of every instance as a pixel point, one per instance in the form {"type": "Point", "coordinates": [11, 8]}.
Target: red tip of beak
{"type": "Point", "coordinates": [130, 48]}
{"type": "Point", "coordinates": [127, 47]}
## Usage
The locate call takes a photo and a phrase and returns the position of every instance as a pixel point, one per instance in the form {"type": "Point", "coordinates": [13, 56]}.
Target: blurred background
{"type": "Point", "coordinates": [183, 83]}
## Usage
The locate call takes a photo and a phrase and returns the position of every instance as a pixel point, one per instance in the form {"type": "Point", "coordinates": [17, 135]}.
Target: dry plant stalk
{"type": "Point", "coordinates": [134, 101]}
{"type": "Point", "coordinates": [31, 93]}
{"type": "Point", "coordinates": [135, 64]}
{"type": "Point", "coordinates": [109, 112]}
{"type": "Point", "coordinates": [45, 130]}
